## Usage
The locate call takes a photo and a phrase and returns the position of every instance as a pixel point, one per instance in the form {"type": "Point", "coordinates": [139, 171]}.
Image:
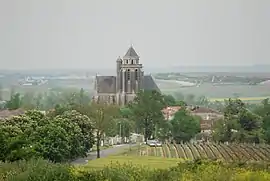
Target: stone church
{"type": "Point", "coordinates": [129, 80]}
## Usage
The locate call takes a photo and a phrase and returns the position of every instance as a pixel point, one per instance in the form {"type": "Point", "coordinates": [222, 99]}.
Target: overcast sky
{"type": "Point", "coordinates": [93, 33]}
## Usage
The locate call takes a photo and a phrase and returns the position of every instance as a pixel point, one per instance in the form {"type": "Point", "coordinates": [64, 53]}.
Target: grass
{"type": "Point", "coordinates": [131, 155]}
{"type": "Point", "coordinates": [151, 162]}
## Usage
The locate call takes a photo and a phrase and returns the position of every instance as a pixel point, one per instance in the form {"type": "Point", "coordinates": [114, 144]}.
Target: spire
{"type": "Point", "coordinates": [131, 53]}
{"type": "Point", "coordinates": [119, 59]}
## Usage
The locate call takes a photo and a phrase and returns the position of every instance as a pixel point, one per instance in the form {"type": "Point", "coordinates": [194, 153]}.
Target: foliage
{"type": "Point", "coordinates": [33, 134]}
{"type": "Point", "coordinates": [39, 170]}
{"type": "Point", "coordinates": [264, 111]}
{"type": "Point", "coordinates": [47, 100]}
{"type": "Point", "coordinates": [102, 118]}
{"type": "Point", "coordinates": [14, 102]}
{"type": "Point", "coordinates": [184, 126]}
{"type": "Point", "coordinates": [239, 124]}
{"type": "Point", "coordinates": [146, 109]}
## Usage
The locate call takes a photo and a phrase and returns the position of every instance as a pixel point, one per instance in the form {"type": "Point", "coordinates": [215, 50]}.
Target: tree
{"type": "Point", "coordinates": [14, 102]}
{"type": "Point", "coordinates": [101, 116]}
{"type": "Point", "coordinates": [169, 100]}
{"type": "Point", "coordinates": [239, 124]}
{"type": "Point", "coordinates": [263, 110]}
{"type": "Point", "coordinates": [85, 125]}
{"type": "Point", "coordinates": [146, 110]}
{"type": "Point", "coordinates": [60, 138]}
{"type": "Point", "coordinates": [184, 126]}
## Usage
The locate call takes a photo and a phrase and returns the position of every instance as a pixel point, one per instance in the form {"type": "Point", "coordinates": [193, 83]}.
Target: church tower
{"type": "Point", "coordinates": [129, 77]}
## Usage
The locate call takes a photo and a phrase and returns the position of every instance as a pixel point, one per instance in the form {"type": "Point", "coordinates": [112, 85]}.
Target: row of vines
{"type": "Point", "coordinates": [227, 152]}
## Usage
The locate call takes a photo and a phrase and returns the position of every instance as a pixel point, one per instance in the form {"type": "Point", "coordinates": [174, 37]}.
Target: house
{"type": "Point", "coordinates": [129, 80]}
{"type": "Point", "coordinates": [169, 112]}
{"type": "Point", "coordinates": [208, 117]}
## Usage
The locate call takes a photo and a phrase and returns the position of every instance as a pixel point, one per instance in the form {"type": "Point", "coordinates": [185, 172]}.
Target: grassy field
{"type": "Point", "coordinates": [149, 161]}
{"type": "Point", "coordinates": [132, 156]}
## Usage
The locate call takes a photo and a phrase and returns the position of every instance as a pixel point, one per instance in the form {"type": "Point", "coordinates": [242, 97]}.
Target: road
{"type": "Point", "coordinates": [103, 153]}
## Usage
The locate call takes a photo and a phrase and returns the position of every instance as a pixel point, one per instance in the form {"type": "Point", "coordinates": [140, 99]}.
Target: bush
{"type": "Point", "coordinates": [35, 170]}
{"type": "Point", "coordinates": [40, 170]}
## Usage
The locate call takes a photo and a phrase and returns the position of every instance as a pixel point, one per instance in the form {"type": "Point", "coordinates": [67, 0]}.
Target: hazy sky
{"type": "Point", "coordinates": [93, 33]}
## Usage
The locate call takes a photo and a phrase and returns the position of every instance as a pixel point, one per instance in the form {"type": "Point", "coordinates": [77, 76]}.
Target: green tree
{"type": "Point", "coordinates": [169, 100]}
{"type": "Point", "coordinates": [239, 124]}
{"type": "Point", "coordinates": [146, 109]}
{"type": "Point", "coordinates": [102, 116]}
{"type": "Point", "coordinates": [184, 126]}
{"type": "Point", "coordinates": [86, 127]}
{"type": "Point", "coordinates": [33, 134]}
{"type": "Point", "coordinates": [14, 102]}
{"type": "Point", "coordinates": [263, 110]}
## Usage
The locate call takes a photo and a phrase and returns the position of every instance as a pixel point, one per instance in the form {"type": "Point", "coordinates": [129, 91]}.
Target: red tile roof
{"type": "Point", "coordinates": [170, 111]}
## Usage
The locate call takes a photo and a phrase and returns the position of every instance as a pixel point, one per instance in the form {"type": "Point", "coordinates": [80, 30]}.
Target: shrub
{"type": "Point", "coordinates": [40, 170]}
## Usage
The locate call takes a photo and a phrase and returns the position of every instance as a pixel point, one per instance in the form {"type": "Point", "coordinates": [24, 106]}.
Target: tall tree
{"type": "Point", "coordinates": [184, 126]}
{"type": "Point", "coordinates": [101, 116]}
{"type": "Point", "coordinates": [14, 102]}
{"type": "Point", "coordinates": [263, 110]}
{"type": "Point", "coordinates": [146, 109]}
{"type": "Point", "coordinates": [239, 124]}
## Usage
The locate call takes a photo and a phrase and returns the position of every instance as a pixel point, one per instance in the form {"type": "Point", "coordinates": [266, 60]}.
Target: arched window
{"type": "Point", "coordinates": [128, 74]}
{"type": "Point", "coordinates": [136, 74]}
{"type": "Point", "coordinates": [132, 61]}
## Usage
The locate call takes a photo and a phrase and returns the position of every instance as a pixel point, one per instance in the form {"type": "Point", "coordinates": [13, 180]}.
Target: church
{"type": "Point", "coordinates": [129, 80]}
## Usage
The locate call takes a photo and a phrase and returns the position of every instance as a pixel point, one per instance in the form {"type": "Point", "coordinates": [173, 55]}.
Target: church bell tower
{"type": "Point", "coordinates": [129, 76]}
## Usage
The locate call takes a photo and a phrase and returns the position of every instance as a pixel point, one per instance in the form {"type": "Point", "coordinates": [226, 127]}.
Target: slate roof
{"type": "Point", "coordinates": [149, 83]}
{"type": "Point", "coordinates": [131, 53]}
{"type": "Point", "coordinates": [107, 84]}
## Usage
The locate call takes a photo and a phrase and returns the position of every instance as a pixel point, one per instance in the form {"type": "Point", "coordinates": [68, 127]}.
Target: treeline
{"type": "Point", "coordinates": [45, 100]}
{"type": "Point", "coordinates": [241, 124]}
{"type": "Point", "coordinates": [77, 116]}
{"type": "Point", "coordinates": [69, 130]}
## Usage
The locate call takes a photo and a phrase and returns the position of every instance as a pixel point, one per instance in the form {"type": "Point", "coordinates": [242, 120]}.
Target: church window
{"type": "Point", "coordinates": [132, 61]}
{"type": "Point", "coordinates": [128, 74]}
{"type": "Point", "coordinates": [136, 74]}
{"type": "Point", "coordinates": [126, 61]}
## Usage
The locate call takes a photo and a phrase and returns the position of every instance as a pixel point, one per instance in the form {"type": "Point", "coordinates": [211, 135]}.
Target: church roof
{"type": "Point", "coordinates": [149, 83]}
{"type": "Point", "coordinates": [131, 53]}
{"type": "Point", "coordinates": [107, 84]}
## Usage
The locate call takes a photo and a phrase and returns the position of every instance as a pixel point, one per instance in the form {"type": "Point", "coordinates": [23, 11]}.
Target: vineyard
{"type": "Point", "coordinates": [227, 152]}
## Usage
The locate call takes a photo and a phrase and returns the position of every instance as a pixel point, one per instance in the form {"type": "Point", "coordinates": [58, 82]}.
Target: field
{"type": "Point", "coordinates": [213, 92]}
{"type": "Point", "coordinates": [245, 99]}
{"type": "Point", "coordinates": [230, 152]}
{"type": "Point", "coordinates": [149, 161]}
{"type": "Point", "coordinates": [218, 91]}
{"type": "Point", "coordinates": [171, 154]}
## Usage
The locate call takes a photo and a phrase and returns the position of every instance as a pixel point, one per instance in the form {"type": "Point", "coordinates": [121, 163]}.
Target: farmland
{"type": "Point", "coordinates": [228, 152]}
